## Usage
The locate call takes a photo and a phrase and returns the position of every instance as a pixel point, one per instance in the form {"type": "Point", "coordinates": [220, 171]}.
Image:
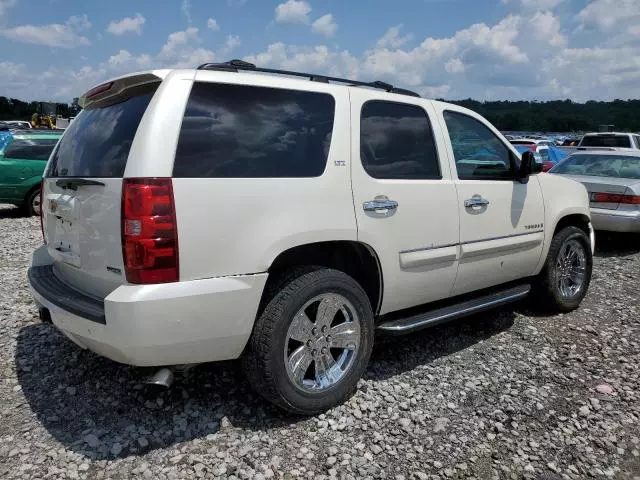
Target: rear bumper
{"type": "Point", "coordinates": [615, 220]}
{"type": "Point", "coordinates": [164, 324]}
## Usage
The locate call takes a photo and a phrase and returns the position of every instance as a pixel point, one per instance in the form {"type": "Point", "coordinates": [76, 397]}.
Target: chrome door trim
{"type": "Point", "coordinates": [488, 239]}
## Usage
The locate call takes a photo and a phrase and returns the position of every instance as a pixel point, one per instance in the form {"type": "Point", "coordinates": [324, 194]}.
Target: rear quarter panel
{"type": "Point", "coordinates": [233, 226]}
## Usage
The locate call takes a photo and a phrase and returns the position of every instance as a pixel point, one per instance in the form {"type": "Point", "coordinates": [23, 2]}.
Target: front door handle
{"type": "Point", "coordinates": [476, 201]}
{"type": "Point", "coordinates": [380, 205]}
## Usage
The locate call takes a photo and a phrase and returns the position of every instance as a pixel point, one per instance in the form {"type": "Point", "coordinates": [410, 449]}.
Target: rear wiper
{"type": "Point", "coordinates": [74, 183]}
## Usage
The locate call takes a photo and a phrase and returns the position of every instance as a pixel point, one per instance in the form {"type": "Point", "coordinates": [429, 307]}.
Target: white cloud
{"type": "Point", "coordinates": [52, 35]}
{"type": "Point", "coordinates": [79, 22]}
{"type": "Point", "coordinates": [608, 14]}
{"type": "Point", "coordinates": [454, 65]}
{"type": "Point", "coordinates": [127, 25]}
{"type": "Point", "coordinates": [185, 8]}
{"type": "Point", "coordinates": [5, 6]}
{"type": "Point", "coordinates": [124, 58]}
{"type": "Point", "coordinates": [293, 11]}
{"type": "Point", "coordinates": [325, 26]}
{"type": "Point", "coordinates": [232, 42]}
{"type": "Point", "coordinates": [213, 25]}
{"type": "Point", "coordinates": [537, 4]}
{"type": "Point", "coordinates": [392, 38]}
{"type": "Point", "coordinates": [177, 39]}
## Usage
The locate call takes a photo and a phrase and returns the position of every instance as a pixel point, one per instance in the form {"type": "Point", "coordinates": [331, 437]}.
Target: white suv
{"type": "Point", "coordinates": [230, 211]}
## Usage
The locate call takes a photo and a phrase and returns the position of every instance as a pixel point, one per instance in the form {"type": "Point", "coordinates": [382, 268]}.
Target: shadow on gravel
{"type": "Point", "coordinates": [9, 211]}
{"type": "Point", "coordinates": [100, 409]}
{"type": "Point", "coordinates": [611, 244]}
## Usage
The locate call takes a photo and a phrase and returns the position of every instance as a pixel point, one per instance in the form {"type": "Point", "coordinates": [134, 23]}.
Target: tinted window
{"type": "Point", "coordinates": [396, 142]}
{"type": "Point", "coordinates": [637, 138]}
{"type": "Point", "coordinates": [97, 142]}
{"type": "Point", "coordinates": [620, 166]}
{"type": "Point", "coordinates": [479, 154]}
{"type": "Point", "coordinates": [31, 149]}
{"type": "Point", "coordinates": [245, 131]}
{"type": "Point", "coordinates": [619, 141]}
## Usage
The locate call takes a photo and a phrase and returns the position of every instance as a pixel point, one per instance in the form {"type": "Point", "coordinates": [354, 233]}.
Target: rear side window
{"type": "Point", "coordinates": [240, 131]}
{"type": "Point", "coordinates": [637, 139]}
{"type": "Point", "coordinates": [396, 142]}
{"type": "Point", "coordinates": [31, 149]}
{"type": "Point", "coordinates": [618, 141]}
{"type": "Point", "coordinates": [98, 141]}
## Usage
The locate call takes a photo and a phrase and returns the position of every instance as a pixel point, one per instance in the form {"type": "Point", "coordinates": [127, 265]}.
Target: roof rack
{"type": "Point", "coordinates": [236, 65]}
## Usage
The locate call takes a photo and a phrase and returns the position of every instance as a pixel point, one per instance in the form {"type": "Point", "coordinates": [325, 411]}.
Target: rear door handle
{"type": "Point", "coordinates": [476, 201]}
{"type": "Point", "coordinates": [380, 205]}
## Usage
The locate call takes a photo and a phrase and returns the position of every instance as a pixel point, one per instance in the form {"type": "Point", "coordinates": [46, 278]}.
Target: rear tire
{"type": "Point", "coordinates": [566, 275]}
{"type": "Point", "coordinates": [312, 341]}
{"type": "Point", "coordinates": [31, 205]}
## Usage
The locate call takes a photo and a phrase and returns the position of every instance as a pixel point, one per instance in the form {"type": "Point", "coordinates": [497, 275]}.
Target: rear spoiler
{"type": "Point", "coordinates": [115, 87]}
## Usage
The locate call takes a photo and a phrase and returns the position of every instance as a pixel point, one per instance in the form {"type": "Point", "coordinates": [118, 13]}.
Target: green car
{"type": "Point", "coordinates": [23, 157]}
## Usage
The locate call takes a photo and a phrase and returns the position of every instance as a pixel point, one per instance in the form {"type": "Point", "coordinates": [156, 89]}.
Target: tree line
{"type": "Point", "coordinates": [552, 116]}
{"type": "Point", "coordinates": [15, 109]}
{"type": "Point", "coordinates": [558, 115]}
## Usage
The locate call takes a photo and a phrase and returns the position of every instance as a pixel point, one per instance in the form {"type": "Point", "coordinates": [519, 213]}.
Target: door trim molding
{"type": "Point", "coordinates": [488, 239]}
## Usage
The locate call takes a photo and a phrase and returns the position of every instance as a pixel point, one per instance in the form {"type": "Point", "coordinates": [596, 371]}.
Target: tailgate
{"type": "Point", "coordinates": [82, 231]}
{"type": "Point", "coordinates": [82, 187]}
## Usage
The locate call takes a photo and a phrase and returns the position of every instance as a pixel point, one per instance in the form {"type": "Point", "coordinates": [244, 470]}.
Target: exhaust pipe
{"type": "Point", "coordinates": [162, 377]}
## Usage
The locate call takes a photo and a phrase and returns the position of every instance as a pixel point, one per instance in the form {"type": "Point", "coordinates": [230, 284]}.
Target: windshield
{"type": "Point", "coordinates": [618, 141]}
{"type": "Point", "coordinates": [600, 166]}
{"type": "Point", "coordinates": [97, 142]}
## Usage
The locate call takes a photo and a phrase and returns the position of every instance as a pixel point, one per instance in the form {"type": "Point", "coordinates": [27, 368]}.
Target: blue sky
{"type": "Point", "coordinates": [501, 49]}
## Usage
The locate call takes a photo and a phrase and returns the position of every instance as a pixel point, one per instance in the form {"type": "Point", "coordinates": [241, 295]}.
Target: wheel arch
{"type": "Point", "coordinates": [356, 259]}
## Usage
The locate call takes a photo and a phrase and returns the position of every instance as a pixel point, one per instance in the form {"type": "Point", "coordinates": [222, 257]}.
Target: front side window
{"type": "Point", "coordinates": [396, 142]}
{"type": "Point", "coordinates": [479, 153]}
{"type": "Point", "coordinates": [31, 149]}
{"type": "Point", "coordinates": [242, 131]}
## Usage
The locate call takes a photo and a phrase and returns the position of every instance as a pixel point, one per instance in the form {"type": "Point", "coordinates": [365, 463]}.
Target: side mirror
{"type": "Point", "coordinates": [528, 166]}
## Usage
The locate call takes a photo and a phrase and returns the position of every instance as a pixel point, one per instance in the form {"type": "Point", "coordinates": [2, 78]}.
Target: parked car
{"type": "Point", "coordinates": [283, 219]}
{"type": "Point", "coordinates": [23, 157]}
{"type": "Point", "coordinates": [613, 181]}
{"type": "Point", "coordinates": [22, 124]}
{"type": "Point", "coordinates": [611, 139]}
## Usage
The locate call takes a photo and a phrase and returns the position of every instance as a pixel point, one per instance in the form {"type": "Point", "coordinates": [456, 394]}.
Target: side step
{"type": "Point", "coordinates": [467, 307]}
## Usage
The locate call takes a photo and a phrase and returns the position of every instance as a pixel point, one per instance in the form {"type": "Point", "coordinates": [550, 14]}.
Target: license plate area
{"type": "Point", "coordinates": [64, 245]}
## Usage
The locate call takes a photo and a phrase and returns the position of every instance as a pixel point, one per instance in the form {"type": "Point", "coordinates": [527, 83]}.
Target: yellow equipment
{"type": "Point", "coordinates": [45, 117]}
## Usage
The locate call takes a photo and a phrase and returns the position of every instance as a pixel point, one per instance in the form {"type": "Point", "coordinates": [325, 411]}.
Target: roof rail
{"type": "Point", "coordinates": [236, 65]}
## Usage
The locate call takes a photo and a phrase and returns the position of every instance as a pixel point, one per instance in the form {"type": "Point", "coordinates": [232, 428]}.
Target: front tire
{"type": "Point", "coordinates": [566, 276]}
{"type": "Point", "coordinates": [312, 341]}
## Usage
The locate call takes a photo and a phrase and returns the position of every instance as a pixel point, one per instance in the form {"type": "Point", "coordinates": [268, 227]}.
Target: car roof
{"type": "Point", "coordinates": [35, 136]}
{"type": "Point", "coordinates": [606, 134]}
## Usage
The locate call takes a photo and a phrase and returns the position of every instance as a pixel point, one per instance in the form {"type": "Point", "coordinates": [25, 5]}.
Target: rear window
{"type": "Point", "coordinates": [618, 141]}
{"type": "Point", "coordinates": [98, 141]}
{"type": "Point", "coordinates": [239, 131]}
{"type": "Point", "coordinates": [31, 148]}
{"type": "Point", "coordinates": [616, 166]}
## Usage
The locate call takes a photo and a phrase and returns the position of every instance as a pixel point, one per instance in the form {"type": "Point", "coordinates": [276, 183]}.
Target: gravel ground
{"type": "Point", "coordinates": [509, 394]}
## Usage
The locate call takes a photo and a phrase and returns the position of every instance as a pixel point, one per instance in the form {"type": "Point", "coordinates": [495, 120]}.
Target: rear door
{"type": "Point", "coordinates": [501, 219]}
{"type": "Point", "coordinates": [83, 180]}
{"type": "Point", "coordinates": [405, 200]}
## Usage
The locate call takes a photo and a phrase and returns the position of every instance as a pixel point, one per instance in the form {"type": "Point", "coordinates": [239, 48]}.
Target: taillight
{"type": "Point", "coordinates": [42, 211]}
{"type": "Point", "coordinates": [615, 198]}
{"type": "Point", "coordinates": [546, 166]}
{"type": "Point", "coordinates": [149, 231]}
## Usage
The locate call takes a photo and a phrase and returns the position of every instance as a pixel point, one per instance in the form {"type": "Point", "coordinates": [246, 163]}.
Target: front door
{"type": "Point", "coordinates": [501, 219]}
{"type": "Point", "coordinates": [404, 197]}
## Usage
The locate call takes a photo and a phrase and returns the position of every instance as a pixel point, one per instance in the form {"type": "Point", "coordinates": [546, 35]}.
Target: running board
{"type": "Point", "coordinates": [444, 314]}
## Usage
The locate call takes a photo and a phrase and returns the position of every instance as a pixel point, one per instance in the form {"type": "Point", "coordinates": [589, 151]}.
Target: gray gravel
{"type": "Point", "coordinates": [508, 394]}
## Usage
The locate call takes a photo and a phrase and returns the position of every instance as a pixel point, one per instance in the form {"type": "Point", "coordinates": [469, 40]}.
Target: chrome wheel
{"type": "Point", "coordinates": [571, 267]}
{"type": "Point", "coordinates": [322, 342]}
{"type": "Point", "coordinates": [35, 203]}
